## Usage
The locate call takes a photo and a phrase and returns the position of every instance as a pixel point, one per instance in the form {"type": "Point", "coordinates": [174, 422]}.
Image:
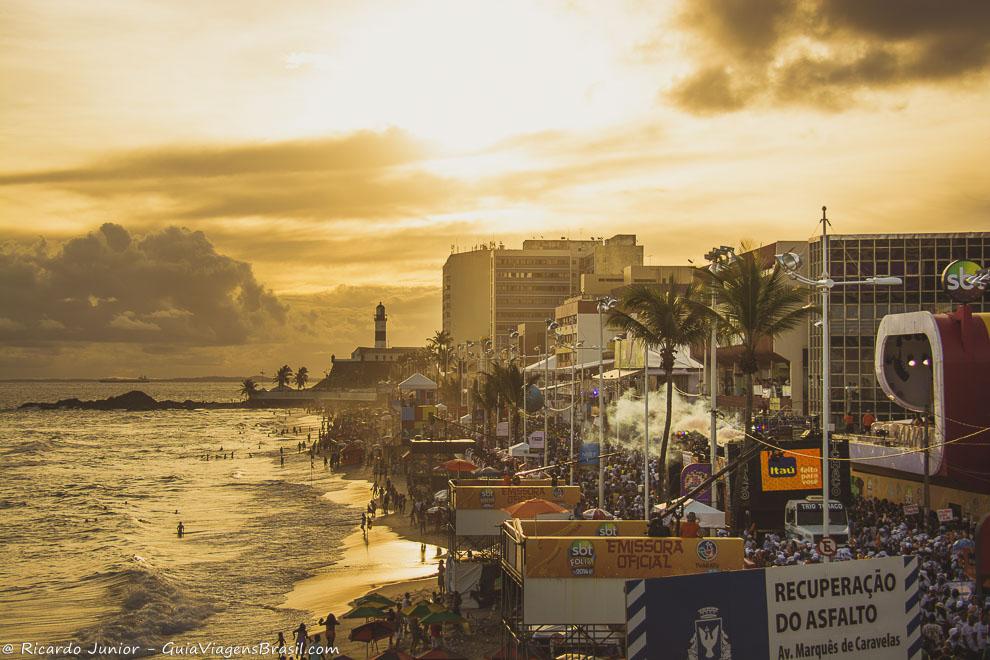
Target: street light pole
{"type": "Point", "coordinates": [604, 305]}
{"type": "Point", "coordinates": [646, 431]}
{"type": "Point", "coordinates": [791, 262]}
{"type": "Point", "coordinates": [551, 328]}
{"type": "Point", "coordinates": [574, 356]}
{"type": "Point", "coordinates": [717, 256]}
{"type": "Point", "coordinates": [826, 381]}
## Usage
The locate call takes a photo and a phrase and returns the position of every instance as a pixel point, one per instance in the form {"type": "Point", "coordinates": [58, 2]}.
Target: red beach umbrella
{"type": "Point", "coordinates": [597, 514]}
{"type": "Point", "coordinates": [456, 465]}
{"type": "Point", "coordinates": [371, 632]}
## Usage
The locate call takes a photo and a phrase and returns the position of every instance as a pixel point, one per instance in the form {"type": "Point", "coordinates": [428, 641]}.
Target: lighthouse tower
{"type": "Point", "coordinates": [380, 320]}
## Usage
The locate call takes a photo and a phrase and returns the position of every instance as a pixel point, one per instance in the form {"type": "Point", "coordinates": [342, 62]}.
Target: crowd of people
{"type": "Point", "coordinates": [955, 622]}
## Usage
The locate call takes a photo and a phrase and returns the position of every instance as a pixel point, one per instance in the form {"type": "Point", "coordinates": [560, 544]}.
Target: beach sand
{"type": "Point", "coordinates": [390, 561]}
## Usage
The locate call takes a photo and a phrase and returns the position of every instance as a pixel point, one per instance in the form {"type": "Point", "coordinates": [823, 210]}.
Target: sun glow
{"type": "Point", "coordinates": [465, 75]}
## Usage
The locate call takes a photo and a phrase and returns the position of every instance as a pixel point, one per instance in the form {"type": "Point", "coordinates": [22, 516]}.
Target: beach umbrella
{"type": "Point", "coordinates": [528, 509]}
{"type": "Point", "coordinates": [456, 465]}
{"type": "Point", "coordinates": [371, 632]}
{"type": "Point", "coordinates": [373, 599]}
{"type": "Point", "coordinates": [440, 653]}
{"type": "Point", "coordinates": [394, 654]}
{"type": "Point", "coordinates": [421, 609]}
{"type": "Point", "coordinates": [488, 472]}
{"type": "Point", "coordinates": [597, 514]}
{"type": "Point", "coordinates": [364, 612]}
{"type": "Point", "coordinates": [433, 509]}
{"type": "Point", "coordinates": [963, 544]}
{"type": "Point", "coordinates": [446, 616]}
{"type": "Point", "coordinates": [441, 495]}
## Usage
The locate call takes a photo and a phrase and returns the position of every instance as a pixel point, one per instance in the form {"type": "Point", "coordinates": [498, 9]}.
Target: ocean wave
{"type": "Point", "coordinates": [32, 447]}
{"type": "Point", "coordinates": [152, 610]}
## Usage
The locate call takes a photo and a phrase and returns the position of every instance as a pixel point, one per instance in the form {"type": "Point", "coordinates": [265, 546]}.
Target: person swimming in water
{"type": "Point", "coordinates": [181, 529]}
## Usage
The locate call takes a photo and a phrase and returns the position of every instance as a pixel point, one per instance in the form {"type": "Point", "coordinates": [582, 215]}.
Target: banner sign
{"type": "Point", "coordinates": [502, 430]}
{"type": "Point", "coordinates": [945, 515]}
{"type": "Point", "coordinates": [499, 497]}
{"type": "Point", "coordinates": [911, 509]}
{"type": "Point", "coordinates": [786, 470]}
{"type": "Point", "coordinates": [536, 440]}
{"type": "Point", "coordinates": [584, 528]}
{"type": "Point", "coordinates": [694, 475]}
{"type": "Point", "coordinates": [630, 557]}
{"type": "Point", "coordinates": [866, 609]}
{"type": "Point", "coordinates": [589, 454]}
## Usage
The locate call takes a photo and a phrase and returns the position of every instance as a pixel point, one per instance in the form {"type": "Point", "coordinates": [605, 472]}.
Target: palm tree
{"type": "Point", "coordinates": [439, 346]}
{"type": "Point", "coordinates": [248, 387]}
{"type": "Point", "coordinates": [508, 383]}
{"type": "Point", "coordinates": [486, 395]}
{"type": "Point", "coordinates": [302, 375]}
{"type": "Point", "coordinates": [666, 321]}
{"type": "Point", "coordinates": [754, 303]}
{"type": "Point", "coordinates": [282, 376]}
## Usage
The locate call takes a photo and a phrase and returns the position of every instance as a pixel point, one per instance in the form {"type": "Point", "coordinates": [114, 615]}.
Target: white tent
{"type": "Point", "coordinates": [707, 516]}
{"type": "Point", "coordinates": [417, 382]}
{"type": "Point", "coordinates": [541, 365]}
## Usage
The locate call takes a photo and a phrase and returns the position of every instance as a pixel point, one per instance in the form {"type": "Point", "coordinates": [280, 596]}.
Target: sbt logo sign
{"type": "Point", "coordinates": [581, 556]}
{"type": "Point", "coordinates": [608, 529]}
{"type": "Point", "coordinates": [957, 281]}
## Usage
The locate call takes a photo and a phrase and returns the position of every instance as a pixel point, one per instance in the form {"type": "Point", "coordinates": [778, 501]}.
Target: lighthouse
{"type": "Point", "coordinates": [380, 320]}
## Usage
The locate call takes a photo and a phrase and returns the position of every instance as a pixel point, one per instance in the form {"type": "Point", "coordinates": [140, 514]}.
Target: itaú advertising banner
{"type": "Point", "coordinates": [843, 610]}
{"type": "Point", "coordinates": [643, 557]}
{"type": "Point", "coordinates": [791, 470]}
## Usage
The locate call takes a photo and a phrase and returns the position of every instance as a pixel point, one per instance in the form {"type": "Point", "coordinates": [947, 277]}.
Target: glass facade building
{"type": "Point", "coordinates": [855, 311]}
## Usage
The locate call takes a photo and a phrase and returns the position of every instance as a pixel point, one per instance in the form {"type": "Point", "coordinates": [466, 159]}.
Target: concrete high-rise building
{"type": "Point", "coordinates": [489, 290]}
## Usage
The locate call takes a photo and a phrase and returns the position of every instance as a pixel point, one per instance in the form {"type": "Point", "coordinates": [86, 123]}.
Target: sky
{"type": "Point", "coordinates": [193, 188]}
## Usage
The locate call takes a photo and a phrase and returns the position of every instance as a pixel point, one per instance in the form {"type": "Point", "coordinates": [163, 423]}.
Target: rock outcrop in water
{"type": "Point", "coordinates": [135, 400]}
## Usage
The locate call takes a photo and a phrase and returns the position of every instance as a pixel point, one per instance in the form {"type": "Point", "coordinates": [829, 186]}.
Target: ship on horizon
{"type": "Point", "coordinates": [116, 379]}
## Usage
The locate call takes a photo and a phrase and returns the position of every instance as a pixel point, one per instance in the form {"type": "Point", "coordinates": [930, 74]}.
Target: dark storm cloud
{"type": "Point", "coordinates": [168, 286]}
{"type": "Point", "coordinates": [712, 90]}
{"type": "Point", "coordinates": [820, 52]}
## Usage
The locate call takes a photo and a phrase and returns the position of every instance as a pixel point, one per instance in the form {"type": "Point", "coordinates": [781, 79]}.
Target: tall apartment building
{"type": "Point", "coordinates": [855, 311]}
{"type": "Point", "coordinates": [490, 290]}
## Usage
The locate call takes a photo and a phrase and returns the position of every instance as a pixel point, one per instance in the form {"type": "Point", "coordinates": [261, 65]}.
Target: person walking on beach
{"type": "Point", "coordinates": [364, 521]}
{"type": "Point", "coordinates": [281, 646]}
{"type": "Point", "coordinates": [441, 569]}
{"type": "Point", "coordinates": [330, 623]}
{"type": "Point", "coordinates": [180, 529]}
{"type": "Point", "coordinates": [301, 637]}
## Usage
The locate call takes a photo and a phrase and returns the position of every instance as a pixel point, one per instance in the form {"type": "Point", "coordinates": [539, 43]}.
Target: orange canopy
{"type": "Point", "coordinates": [531, 508]}
{"type": "Point", "coordinates": [457, 465]}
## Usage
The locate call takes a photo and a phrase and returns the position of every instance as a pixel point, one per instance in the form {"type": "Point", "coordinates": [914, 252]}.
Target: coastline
{"type": "Point", "coordinates": [390, 561]}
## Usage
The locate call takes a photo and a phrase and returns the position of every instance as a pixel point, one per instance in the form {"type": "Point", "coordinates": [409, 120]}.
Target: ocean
{"type": "Point", "coordinates": [90, 501]}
